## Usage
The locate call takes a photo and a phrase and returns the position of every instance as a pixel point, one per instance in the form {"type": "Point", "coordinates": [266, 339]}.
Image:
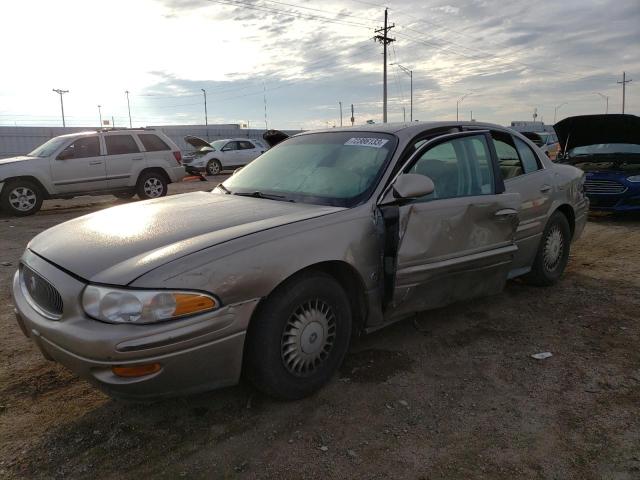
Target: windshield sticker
{"type": "Point", "coordinates": [367, 142]}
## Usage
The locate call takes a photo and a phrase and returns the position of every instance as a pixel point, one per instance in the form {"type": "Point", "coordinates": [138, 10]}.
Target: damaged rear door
{"type": "Point", "coordinates": [457, 242]}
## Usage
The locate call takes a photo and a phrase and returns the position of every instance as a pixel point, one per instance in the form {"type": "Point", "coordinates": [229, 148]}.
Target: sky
{"type": "Point", "coordinates": [287, 64]}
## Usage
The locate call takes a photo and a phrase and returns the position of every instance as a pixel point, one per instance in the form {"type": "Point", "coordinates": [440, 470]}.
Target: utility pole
{"type": "Point", "coordinates": [458, 102]}
{"type": "Point", "coordinates": [606, 97]}
{"type": "Point", "coordinates": [385, 40]}
{"type": "Point", "coordinates": [61, 92]}
{"type": "Point", "coordinates": [404, 115]}
{"type": "Point", "coordinates": [555, 111]}
{"type": "Point", "coordinates": [113, 122]}
{"type": "Point", "coordinates": [624, 87]}
{"type": "Point", "coordinates": [410, 73]}
{"type": "Point", "coordinates": [264, 97]}
{"type": "Point", "coordinates": [340, 113]}
{"type": "Point", "coordinates": [206, 118]}
{"type": "Point", "coordinates": [100, 113]}
{"type": "Point", "coordinates": [353, 119]}
{"type": "Point", "coordinates": [128, 107]}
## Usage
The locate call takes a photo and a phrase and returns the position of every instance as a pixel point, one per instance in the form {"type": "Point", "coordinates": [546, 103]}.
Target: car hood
{"type": "Point", "coordinates": [117, 245]}
{"type": "Point", "coordinates": [197, 142]}
{"type": "Point", "coordinates": [587, 130]}
{"type": "Point", "coordinates": [21, 158]}
{"type": "Point", "coordinates": [274, 137]}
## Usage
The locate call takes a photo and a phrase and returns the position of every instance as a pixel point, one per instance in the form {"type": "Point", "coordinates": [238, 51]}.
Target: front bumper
{"type": "Point", "coordinates": [627, 202]}
{"type": "Point", "coordinates": [200, 353]}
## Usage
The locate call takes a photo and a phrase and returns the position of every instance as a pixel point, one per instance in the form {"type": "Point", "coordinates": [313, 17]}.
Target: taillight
{"type": "Point", "coordinates": [178, 157]}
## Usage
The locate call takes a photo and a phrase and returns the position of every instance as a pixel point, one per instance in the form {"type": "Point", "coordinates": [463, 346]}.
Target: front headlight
{"type": "Point", "coordinates": [143, 306]}
{"type": "Point", "coordinates": [634, 178]}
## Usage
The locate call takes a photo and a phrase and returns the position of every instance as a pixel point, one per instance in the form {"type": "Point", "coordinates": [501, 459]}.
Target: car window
{"type": "Point", "coordinates": [84, 147]}
{"type": "Point", "coordinates": [246, 145]}
{"type": "Point", "coordinates": [459, 168]}
{"type": "Point", "coordinates": [120, 144]}
{"type": "Point", "coordinates": [508, 158]}
{"type": "Point", "coordinates": [527, 157]}
{"type": "Point", "coordinates": [152, 143]}
{"type": "Point", "coordinates": [230, 146]}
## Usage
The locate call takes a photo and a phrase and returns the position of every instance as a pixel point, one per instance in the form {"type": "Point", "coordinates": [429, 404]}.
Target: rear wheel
{"type": "Point", "coordinates": [214, 167]}
{"type": "Point", "coordinates": [21, 198]}
{"type": "Point", "coordinates": [553, 252]}
{"type": "Point", "coordinates": [299, 337]}
{"type": "Point", "coordinates": [151, 185]}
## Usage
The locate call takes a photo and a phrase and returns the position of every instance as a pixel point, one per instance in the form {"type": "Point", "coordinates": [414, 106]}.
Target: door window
{"type": "Point", "coordinates": [510, 165]}
{"type": "Point", "coordinates": [230, 147]}
{"type": "Point", "coordinates": [527, 157]}
{"type": "Point", "coordinates": [460, 167]}
{"type": "Point", "coordinates": [121, 144]}
{"type": "Point", "coordinates": [84, 147]}
{"type": "Point", "coordinates": [246, 145]}
{"type": "Point", "coordinates": [153, 143]}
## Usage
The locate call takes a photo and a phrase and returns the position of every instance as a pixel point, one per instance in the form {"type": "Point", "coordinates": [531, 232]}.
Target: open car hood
{"type": "Point", "coordinates": [586, 130]}
{"type": "Point", "coordinates": [197, 142]}
{"type": "Point", "coordinates": [274, 137]}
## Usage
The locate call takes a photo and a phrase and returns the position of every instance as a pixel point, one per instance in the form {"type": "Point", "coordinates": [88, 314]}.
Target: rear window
{"type": "Point", "coordinates": [152, 143]}
{"type": "Point", "coordinates": [120, 144]}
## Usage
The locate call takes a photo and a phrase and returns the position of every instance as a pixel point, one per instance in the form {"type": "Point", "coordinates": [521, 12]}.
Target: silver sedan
{"type": "Point", "coordinates": [326, 236]}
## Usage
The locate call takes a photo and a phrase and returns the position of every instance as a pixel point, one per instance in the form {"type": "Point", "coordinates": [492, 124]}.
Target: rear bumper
{"type": "Point", "coordinates": [195, 354]}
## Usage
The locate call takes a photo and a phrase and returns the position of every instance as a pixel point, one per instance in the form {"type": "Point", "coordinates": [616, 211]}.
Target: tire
{"type": "Point", "coordinates": [282, 358]}
{"type": "Point", "coordinates": [553, 252]}
{"type": "Point", "coordinates": [124, 195]}
{"type": "Point", "coordinates": [21, 198]}
{"type": "Point", "coordinates": [151, 185]}
{"type": "Point", "coordinates": [214, 167]}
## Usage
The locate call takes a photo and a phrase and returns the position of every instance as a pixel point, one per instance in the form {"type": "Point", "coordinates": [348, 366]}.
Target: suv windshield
{"type": "Point", "coordinates": [47, 149]}
{"type": "Point", "coordinates": [333, 168]}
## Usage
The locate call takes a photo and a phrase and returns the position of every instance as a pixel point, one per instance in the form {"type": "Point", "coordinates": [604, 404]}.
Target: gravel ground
{"type": "Point", "coordinates": [453, 393]}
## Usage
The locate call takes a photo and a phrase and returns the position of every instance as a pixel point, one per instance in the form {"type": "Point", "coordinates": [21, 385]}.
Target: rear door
{"type": "Point", "coordinates": [124, 159]}
{"type": "Point", "coordinates": [523, 173]}
{"type": "Point", "coordinates": [80, 167]}
{"type": "Point", "coordinates": [458, 242]}
{"type": "Point", "coordinates": [248, 151]}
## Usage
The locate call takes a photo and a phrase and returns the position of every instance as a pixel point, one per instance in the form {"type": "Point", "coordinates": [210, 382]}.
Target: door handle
{"type": "Point", "coordinates": [137, 158]}
{"type": "Point", "coordinates": [506, 214]}
{"type": "Point", "coordinates": [545, 188]}
{"type": "Point", "coordinates": [95, 163]}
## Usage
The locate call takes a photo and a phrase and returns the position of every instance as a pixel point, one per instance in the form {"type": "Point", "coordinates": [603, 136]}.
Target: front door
{"type": "Point", "coordinates": [457, 242]}
{"type": "Point", "coordinates": [79, 167]}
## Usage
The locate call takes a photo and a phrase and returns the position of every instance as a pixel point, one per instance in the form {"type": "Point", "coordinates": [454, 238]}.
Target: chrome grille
{"type": "Point", "coordinates": [604, 186]}
{"type": "Point", "coordinates": [42, 296]}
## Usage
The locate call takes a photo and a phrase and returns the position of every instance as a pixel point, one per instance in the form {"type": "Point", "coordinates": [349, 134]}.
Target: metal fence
{"type": "Point", "coordinates": [16, 141]}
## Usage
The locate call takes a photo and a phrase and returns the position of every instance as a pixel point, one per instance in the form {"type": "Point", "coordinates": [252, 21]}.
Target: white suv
{"type": "Point", "coordinates": [121, 162]}
{"type": "Point", "coordinates": [220, 154]}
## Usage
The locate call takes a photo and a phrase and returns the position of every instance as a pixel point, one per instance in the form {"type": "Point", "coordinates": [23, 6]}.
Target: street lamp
{"type": "Point", "coordinates": [410, 73]}
{"type": "Point", "coordinates": [100, 113]}
{"type": "Point", "coordinates": [606, 97]}
{"type": "Point", "coordinates": [128, 107]}
{"type": "Point", "coordinates": [555, 111]}
{"type": "Point", "coordinates": [206, 116]}
{"type": "Point", "coordinates": [61, 92]}
{"type": "Point", "coordinates": [458, 102]}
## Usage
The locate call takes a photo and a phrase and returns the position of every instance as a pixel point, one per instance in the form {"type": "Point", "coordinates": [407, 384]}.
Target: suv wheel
{"type": "Point", "coordinates": [553, 252]}
{"type": "Point", "coordinates": [151, 185]}
{"type": "Point", "coordinates": [214, 167]}
{"type": "Point", "coordinates": [299, 337]}
{"type": "Point", "coordinates": [21, 198]}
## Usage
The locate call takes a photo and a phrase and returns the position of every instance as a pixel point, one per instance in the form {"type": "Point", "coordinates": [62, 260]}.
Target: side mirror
{"type": "Point", "coordinates": [409, 186]}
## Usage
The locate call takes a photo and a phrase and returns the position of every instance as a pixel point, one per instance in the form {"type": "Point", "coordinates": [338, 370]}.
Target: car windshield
{"type": "Point", "coordinates": [48, 148]}
{"type": "Point", "coordinates": [218, 144]}
{"type": "Point", "coordinates": [333, 168]}
{"type": "Point", "coordinates": [605, 149]}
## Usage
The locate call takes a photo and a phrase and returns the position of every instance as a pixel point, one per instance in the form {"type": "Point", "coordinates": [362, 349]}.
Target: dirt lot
{"type": "Point", "coordinates": [452, 394]}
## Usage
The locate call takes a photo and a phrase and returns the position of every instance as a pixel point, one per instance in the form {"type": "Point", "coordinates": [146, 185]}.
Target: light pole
{"type": "Point", "coordinates": [404, 115]}
{"type": "Point", "coordinates": [206, 116]}
{"type": "Point", "coordinates": [340, 113]}
{"type": "Point", "coordinates": [61, 92]}
{"type": "Point", "coordinates": [555, 111]}
{"type": "Point", "coordinates": [100, 113]}
{"type": "Point", "coordinates": [128, 107]}
{"type": "Point", "coordinates": [458, 102]}
{"type": "Point", "coordinates": [410, 73]}
{"type": "Point", "coordinates": [606, 97]}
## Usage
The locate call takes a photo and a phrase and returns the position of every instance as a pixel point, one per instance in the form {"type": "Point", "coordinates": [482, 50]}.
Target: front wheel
{"type": "Point", "coordinates": [553, 252]}
{"type": "Point", "coordinates": [214, 167]}
{"type": "Point", "coordinates": [21, 198]}
{"type": "Point", "coordinates": [151, 185]}
{"type": "Point", "coordinates": [299, 337]}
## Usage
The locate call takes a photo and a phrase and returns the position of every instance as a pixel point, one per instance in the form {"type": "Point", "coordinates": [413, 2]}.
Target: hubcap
{"type": "Point", "coordinates": [22, 198]}
{"type": "Point", "coordinates": [214, 169]}
{"type": "Point", "coordinates": [553, 249]}
{"type": "Point", "coordinates": [153, 187]}
{"type": "Point", "coordinates": [308, 337]}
